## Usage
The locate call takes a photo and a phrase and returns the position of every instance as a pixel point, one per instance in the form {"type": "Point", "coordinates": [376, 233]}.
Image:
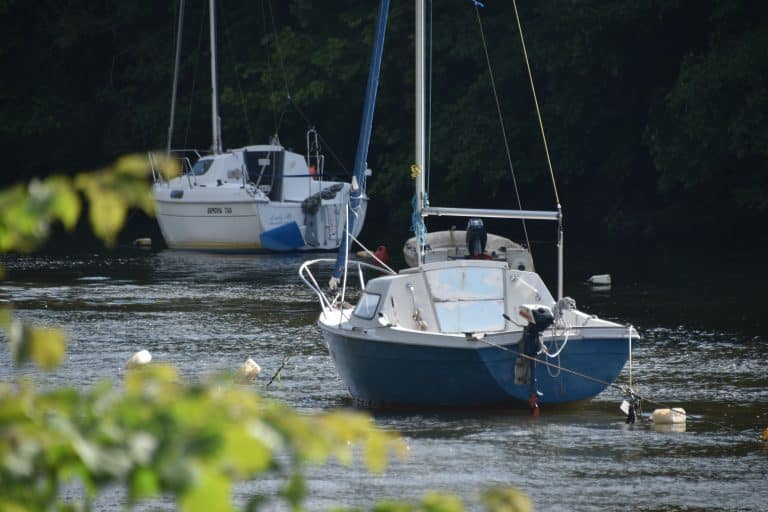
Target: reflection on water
{"type": "Point", "coordinates": [701, 350]}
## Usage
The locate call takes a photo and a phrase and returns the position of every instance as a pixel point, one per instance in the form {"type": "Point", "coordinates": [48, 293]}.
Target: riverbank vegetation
{"type": "Point", "coordinates": [655, 111]}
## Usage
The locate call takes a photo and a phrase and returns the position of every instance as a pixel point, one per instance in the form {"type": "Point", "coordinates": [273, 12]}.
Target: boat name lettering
{"type": "Point", "coordinates": [218, 211]}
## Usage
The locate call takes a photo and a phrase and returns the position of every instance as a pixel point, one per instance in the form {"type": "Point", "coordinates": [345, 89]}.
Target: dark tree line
{"type": "Point", "coordinates": [655, 111]}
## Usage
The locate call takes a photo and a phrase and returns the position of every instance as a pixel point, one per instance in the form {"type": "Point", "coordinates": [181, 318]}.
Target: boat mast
{"type": "Point", "coordinates": [176, 74]}
{"type": "Point", "coordinates": [216, 147]}
{"type": "Point", "coordinates": [421, 128]}
{"type": "Point", "coordinates": [366, 125]}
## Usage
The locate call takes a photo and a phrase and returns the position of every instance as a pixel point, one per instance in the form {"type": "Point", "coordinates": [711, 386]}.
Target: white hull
{"type": "Point", "coordinates": [236, 221]}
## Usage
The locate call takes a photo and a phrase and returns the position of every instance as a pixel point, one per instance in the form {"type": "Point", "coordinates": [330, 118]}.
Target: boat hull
{"type": "Point", "coordinates": [235, 222]}
{"type": "Point", "coordinates": [382, 373]}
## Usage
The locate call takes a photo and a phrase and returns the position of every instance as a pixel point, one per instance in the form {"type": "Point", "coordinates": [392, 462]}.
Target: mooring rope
{"type": "Point", "coordinates": [624, 389]}
{"type": "Point", "coordinates": [290, 355]}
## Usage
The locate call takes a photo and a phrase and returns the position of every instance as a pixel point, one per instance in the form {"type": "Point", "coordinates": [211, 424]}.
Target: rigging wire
{"type": "Point", "coordinates": [194, 80]}
{"type": "Point", "coordinates": [536, 102]}
{"type": "Point", "coordinates": [176, 65]}
{"type": "Point", "coordinates": [501, 122]}
{"type": "Point", "coordinates": [289, 97]}
{"type": "Point", "coordinates": [269, 75]}
{"type": "Point", "coordinates": [309, 123]}
{"type": "Point", "coordinates": [280, 59]}
{"type": "Point", "coordinates": [243, 103]}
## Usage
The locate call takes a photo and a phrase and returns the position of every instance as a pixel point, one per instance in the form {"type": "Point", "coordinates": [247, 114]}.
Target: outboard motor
{"type": "Point", "coordinates": [476, 238]}
{"type": "Point", "coordinates": [539, 318]}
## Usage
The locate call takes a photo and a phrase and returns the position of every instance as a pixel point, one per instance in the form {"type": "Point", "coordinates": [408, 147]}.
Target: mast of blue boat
{"type": "Point", "coordinates": [216, 147]}
{"type": "Point", "coordinates": [361, 156]}
{"type": "Point", "coordinates": [421, 121]}
{"type": "Point", "coordinates": [177, 63]}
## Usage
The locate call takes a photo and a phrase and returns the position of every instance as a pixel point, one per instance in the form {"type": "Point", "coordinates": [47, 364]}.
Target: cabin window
{"type": "Point", "coordinates": [201, 167]}
{"type": "Point", "coordinates": [468, 299]}
{"type": "Point", "coordinates": [366, 307]}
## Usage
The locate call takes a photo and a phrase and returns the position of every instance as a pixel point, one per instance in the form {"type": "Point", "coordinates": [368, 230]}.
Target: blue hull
{"type": "Point", "coordinates": [283, 238]}
{"type": "Point", "coordinates": [393, 374]}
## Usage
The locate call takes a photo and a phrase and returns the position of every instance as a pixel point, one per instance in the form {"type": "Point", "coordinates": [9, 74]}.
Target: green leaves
{"type": "Point", "coordinates": [507, 499]}
{"type": "Point", "coordinates": [114, 190]}
{"type": "Point", "coordinates": [164, 436]}
{"type": "Point", "coordinates": [210, 491]}
{"type": "Point", "coordinates": [44, 346]}
{"type": "Point", "coordinates": [29, 211]}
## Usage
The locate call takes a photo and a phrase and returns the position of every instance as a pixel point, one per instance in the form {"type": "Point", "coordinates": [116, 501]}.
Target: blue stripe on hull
{"type": "Point", "coordinates": [382, 373]}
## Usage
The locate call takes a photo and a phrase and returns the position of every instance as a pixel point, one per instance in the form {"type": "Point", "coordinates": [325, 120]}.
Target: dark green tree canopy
{"type": "Point", "coordinates": [655, 111]}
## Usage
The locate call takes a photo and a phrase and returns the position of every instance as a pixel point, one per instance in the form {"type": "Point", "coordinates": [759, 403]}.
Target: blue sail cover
{"type": "Point", "coordinates": [361, 156]}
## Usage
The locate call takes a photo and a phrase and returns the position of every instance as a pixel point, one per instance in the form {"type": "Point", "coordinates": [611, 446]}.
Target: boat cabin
{"type": "Point", "coordinates": [464, 296]}
{"type": "Point", "coordinates": [279, 174]}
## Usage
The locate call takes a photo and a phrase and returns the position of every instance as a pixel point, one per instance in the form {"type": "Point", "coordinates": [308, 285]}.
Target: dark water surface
{"type": "Point", "coordinates": [702, 318]}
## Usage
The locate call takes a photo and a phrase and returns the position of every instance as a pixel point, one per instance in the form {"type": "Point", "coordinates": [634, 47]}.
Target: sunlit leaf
{"type": "Point", "coordinates": [155, 379]}
{"type": "Point", "coordinates": [376, 453]}
{"type": "Point", "coordinates": [295, 490]}
{"type": "Point", "coordinates": [46, 346]}
{"type": "Point", "coordinates": [168, 167]}
{"type": "Point", "coordinates": [247, 454]}
{"type": "Point", "coordinates": [135, 165]}
{"type": "Point", "coordinates": [107, 215]}
{"type": "Point", "coordinates": [41, 345]}
{"type": "Point", "coordinates": [143, 484]}
{"type": "Point", "coordinates": [5, 318]}
{"type": "Point", "coordinates": [65, 204]}
{"type": "Point", "coordinates": [393, 506]}
{"type": "Point", "coordinates": [442, 503]}
{"type": "Point", "coordinates": [12, 506]}
{"type": "Point", "coordinates": [507, 499]}
{"type": "Point", "coordinates": [210, 491]}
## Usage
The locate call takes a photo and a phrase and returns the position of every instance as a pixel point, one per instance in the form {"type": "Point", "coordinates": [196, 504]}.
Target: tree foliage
{"type": "Point", "coordinates": [658, 104]}
{"type": "Point", "coordinates": [161, 436]}
{"type": "Point", "coordinates": [30, 210]}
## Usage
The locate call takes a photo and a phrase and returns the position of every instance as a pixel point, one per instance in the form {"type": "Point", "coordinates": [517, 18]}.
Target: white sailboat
{"type": "Point", "coordinates": [464, 332]}
{"type": "Point", "coordinates": [258, 197]}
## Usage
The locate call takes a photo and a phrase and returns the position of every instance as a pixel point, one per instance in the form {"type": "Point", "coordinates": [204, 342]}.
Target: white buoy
{"type": "Point", "coordinates": [248, 371]}
{"type": "Point", "coordinates": [668, 416]}
{"type": "Point", "coordinates": [600, 279]}
{"type": "Point", "coordinates": [140, 358]}
{"type": "Point", "coordinates": [143, 243]}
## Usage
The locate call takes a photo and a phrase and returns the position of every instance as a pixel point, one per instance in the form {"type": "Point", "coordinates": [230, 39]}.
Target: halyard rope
{"type": "Point", "coordinates": [536, 102]}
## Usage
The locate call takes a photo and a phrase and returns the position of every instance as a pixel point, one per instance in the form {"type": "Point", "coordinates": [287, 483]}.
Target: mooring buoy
{"type": "Point", "coordinates": [668, 416]}
{"type": "Point", "coordinates": [140, 358]}
{"type": "Point", "coordinates": [248, 371]}
{"type": "Point", "coordinates": [600, 279]}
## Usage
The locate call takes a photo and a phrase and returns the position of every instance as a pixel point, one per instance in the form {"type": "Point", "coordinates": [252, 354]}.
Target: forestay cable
{"type": "Point", "coordinates": [536, 103]}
